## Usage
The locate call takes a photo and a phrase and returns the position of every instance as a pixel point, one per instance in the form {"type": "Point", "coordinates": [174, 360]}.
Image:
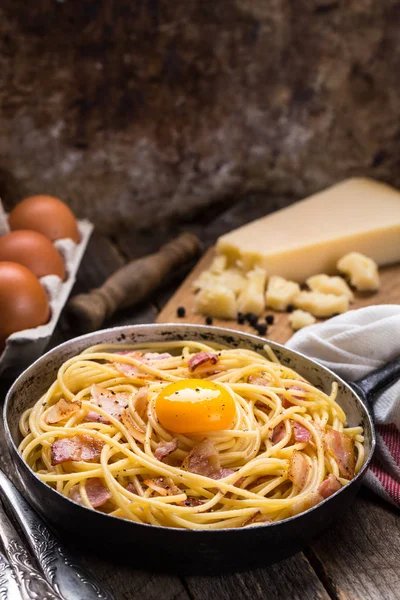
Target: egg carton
{"type": "Point", "coordinates": [23, 347]}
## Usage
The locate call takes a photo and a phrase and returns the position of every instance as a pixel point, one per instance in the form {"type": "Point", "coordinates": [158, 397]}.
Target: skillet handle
{"type": "Point", "coordinates": [378, 380]}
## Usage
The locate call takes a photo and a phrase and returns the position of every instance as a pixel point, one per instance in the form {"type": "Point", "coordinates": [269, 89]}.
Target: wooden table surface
{"type": "Point", "coordinates": [358, 559]}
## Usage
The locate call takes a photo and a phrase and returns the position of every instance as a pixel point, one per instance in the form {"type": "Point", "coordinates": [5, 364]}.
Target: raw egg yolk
{"type": "Point", "coordinates": [194, 405]}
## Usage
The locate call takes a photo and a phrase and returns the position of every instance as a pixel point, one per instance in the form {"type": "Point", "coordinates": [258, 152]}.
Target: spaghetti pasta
{"type": "Point", "coordinates": [98, 436]}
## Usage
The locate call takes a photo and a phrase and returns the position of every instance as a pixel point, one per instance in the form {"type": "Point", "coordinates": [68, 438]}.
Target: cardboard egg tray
{"type": "Point", "coordinates": [23, 347]}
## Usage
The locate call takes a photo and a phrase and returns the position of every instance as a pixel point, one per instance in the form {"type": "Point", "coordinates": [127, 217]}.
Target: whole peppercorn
{"type": "Point", "coordinates": [240, 318]}
{"type": "Point", "coordinates": [181, 311]}
{"type": "Point", "coordinates": [290, 308]}
{"type": "Point", "coordinates": [261, 328]}
{"type": "Point", "coordinates": [209, 321]}
{"type": "Point", "coordinates": [270, 319]}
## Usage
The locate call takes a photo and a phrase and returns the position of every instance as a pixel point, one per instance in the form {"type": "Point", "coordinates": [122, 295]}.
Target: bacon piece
{"type": "Point", "coordinates": [63, 409]}
{"type": "Point", "coordinates": [298, 469]}
{"type": "Point", "coordinates": [140, 401]}
{"type": "Point", "coordinates": [259, 380]}
{"type": "Point", "coordinates": [301, 433]}
{"type": "Point", "coordinates": [201, 358]}
{"type": "Point", "coordinates": [329, 486]}
{"type": "Point", "coordinates": [97, 493]}
{"type": "Point", "coordinates": [341, 447]}
{"type": "Point", "coordinates": [164, 486]}
{"type": "Point", "coordinates": [258, 517]}
{"type": "Point", "coordinates": [190, 501]}
{"type": "Point", "coordinates": [112, 402]}
{"type": "Point", "coordinates": [150, 356]}
{"type": "Point", "coordinates": [133, 370]}
{"type": "Point", "coordinates": [278, 432]}
{"type": "Point", "coordinates": [79, 447]}
{"type": "Point", "coordinates": [285, 402]}
{"type": "Point", "coordinates": [165, 448]}
{"type": "Point", "coordinates": [125, 369]}
{"type": "Point", "coordinates": [203, 459]}
{"type": "Point", "coordinates": [131, 426]}
{"type": "Point", "coordinates": [131, 488]}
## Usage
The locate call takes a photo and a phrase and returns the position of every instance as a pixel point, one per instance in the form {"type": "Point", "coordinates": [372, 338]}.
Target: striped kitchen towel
{"type": "Point", "coordinates": [352, 345]}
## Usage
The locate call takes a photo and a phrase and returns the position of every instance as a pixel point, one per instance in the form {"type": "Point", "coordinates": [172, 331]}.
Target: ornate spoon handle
{"type": "Point", "coordinates": [9, 589]}
{"type": "Point", "coordinates": [32, 584]}
{"type": "Point", "coordinates": [60, 569]}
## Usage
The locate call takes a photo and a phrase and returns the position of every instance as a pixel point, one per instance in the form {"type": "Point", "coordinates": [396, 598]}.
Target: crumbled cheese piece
{"type": "Point", "coordinates": [300, 318]}
{"type": "Point", "coordinates": [252, 296]}
{"type": "Point", "coordinates": [218, 264]}
{"type": "Point", "coordinates": [321, 305]}
{"type": "Point", "coordinates": [231, 278]}
{"type": "Point", "coordinates": [280, 292]}
{"type": "Point", "coordinates": [216, 301]}
{"type": "Point", "coordinates": [362, 271]}
{"type": "Point", "coordinates": [330, 285]}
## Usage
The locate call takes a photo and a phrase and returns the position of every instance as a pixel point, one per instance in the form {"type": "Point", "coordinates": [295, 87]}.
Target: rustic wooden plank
{"type": "Point", "coordinates": [359, 558]}
{"type": "Point", "coordinates": [292, 579]}
{"type": "Point", "coordinates": [281, 331]}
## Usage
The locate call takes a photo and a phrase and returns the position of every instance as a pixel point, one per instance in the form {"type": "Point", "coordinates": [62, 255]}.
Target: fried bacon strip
{"type": "Point", "coordinates": [97, 493]}
{"type": "Point", "coordinates": [258, 517]}
{"type": "Point", "coordinates": [79, 447]}
{"type": "Point", "coordinates": [113, 403]}
{"type": "Point", "coordinates": [63, 409]}
{"type": "Point", "coordinates": [328, 487]}
{"type": "Point", "coordinates": [201, 358]}
{"type": "Point", "coordinates": [298, 469]}
{"type": "Point", "coordinates": [204, 460]}
{"type": "Point", "coordinates": [164, 486]}
{"type": "Point", "coordinates": [301, 433]}
{"type": "Point", "coordinates": [164, 449]}
{"type": "Point", "coordinates": [341, 447]}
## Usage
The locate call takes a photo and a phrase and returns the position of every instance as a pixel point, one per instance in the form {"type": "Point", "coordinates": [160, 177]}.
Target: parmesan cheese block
{"type": "Point", "coordinates": [310, 236]}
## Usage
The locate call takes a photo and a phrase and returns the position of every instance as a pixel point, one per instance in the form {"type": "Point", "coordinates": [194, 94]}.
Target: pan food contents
{"type": "Point", "coordinates": [189, 435]}
{"type": "Point", "coordinates": [310, 236]}
{"type": "Point", "coordinates": [23, 301]}
{"type": "Point", "coordinates": [47, 215]}
{"type": "Point", "coordinates": [34, 251]}
{"type": "Point", "coordinates": [362, 271]}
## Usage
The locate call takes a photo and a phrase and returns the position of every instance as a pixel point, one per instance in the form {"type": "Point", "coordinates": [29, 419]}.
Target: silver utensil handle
{"type": "Point", "coordinates": [9, 588]}
{"type": "Point", "coordinates": [32, 584]}
{"type": "Point", "coordinates": [60, 569]}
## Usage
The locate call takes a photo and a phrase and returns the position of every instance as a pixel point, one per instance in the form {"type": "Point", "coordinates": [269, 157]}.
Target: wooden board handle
{"type": "Point", "coordinates": [133, 282]}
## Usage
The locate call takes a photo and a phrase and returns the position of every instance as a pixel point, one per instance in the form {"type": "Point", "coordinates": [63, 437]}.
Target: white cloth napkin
{"type": "Point", "coordinates": [353, 345]}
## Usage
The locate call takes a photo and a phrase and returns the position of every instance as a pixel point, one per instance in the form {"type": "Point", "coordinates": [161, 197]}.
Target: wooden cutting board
{"type": "Point", "coordinates": [281, 330]}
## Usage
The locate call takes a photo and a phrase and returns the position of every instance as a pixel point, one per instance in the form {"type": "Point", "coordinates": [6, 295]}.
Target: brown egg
{"type": "Point", "coordinates": [23, 301]}
{"type": "Point", "coordinates": [34, 251]}
{"type": "Point", "coordinates": [45, 214]}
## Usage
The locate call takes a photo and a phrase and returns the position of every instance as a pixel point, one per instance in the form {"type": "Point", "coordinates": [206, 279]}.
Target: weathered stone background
{"type": "Point", "coordinates": [140, 111]}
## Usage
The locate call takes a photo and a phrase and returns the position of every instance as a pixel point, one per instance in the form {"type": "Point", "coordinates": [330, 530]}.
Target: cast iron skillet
{"type": "Point", "coordinates": [166, 548]}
